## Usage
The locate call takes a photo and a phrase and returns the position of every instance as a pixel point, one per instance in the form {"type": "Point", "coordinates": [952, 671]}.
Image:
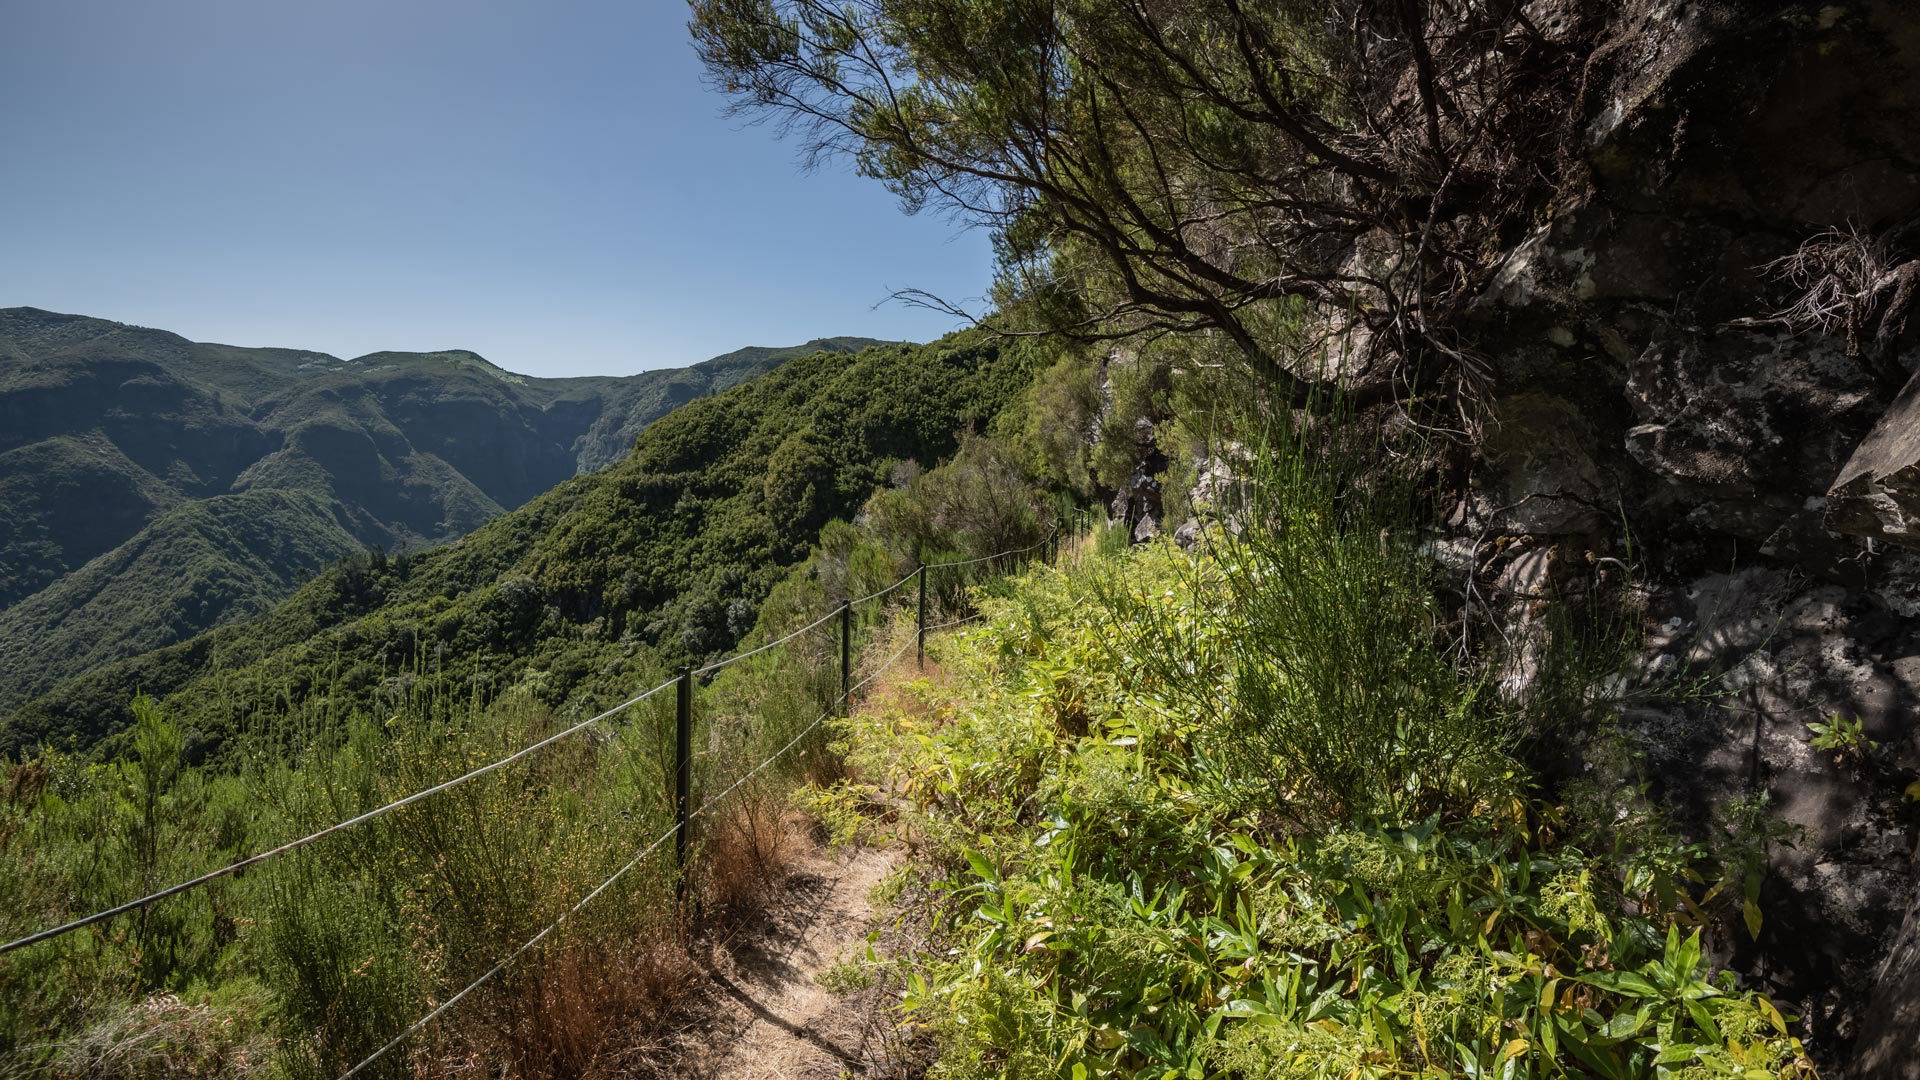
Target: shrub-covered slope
{"type": "Point", "coordinates": [664, 555]}
{"type": "Point", "coordinates": [112, 436]}
{"type": "Point", "coordinates": [198, 564]}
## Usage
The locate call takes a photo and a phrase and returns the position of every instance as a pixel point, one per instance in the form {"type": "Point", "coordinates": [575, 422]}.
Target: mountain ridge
{"type": "Point", "coordinates": [116, 441]}
{"type": "Point", "coordinates": [601, 581]}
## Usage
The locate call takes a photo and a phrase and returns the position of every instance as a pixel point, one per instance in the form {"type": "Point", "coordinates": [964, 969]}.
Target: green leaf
{"type": "Point", "coordinates": [1621, 982]}
{"type": "Point", "coordinates": [1704, 1020]}
{"type": "Point", "coordinates": [1689, 955]}
{"type": "Point", "coordinates": [1675, 1053]}
{"type": "Point", "coordinates": [981, 867]}
{"type": "Point", "coordinates": [1623, 1026]}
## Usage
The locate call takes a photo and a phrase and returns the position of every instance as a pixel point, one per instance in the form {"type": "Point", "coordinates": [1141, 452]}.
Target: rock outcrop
{"type": "Point", "coordinates": [1877, 494]}
{"type": "Point", "coordinates": [1763, 464]}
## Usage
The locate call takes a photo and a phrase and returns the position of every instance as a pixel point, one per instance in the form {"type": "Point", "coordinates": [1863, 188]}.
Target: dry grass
{"type": "Point", "coordinates": [747, 852]}
{"type": "Point", "coordinates": [165, 1037]}
{"type": "Point", "coordinates": [585, 1010]}
{"type": "Point", "coordinates": [588, 1011]}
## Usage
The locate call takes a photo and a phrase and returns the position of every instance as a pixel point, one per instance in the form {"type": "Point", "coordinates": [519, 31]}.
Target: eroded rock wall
{"type": "Point", "coordinates": [1762, 467]}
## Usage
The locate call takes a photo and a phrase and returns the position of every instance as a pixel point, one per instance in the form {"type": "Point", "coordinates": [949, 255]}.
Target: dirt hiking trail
{"type": "Point", "coordinates": [774, 1021]}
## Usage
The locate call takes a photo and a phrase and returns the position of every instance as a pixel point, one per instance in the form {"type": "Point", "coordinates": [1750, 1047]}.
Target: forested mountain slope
{"type": "Point", "coordinates": [661, 556]}
{"type": "Point", "coordinates": [152, 487]}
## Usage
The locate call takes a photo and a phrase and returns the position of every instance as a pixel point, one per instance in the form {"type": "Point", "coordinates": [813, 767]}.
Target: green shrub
{"type": "Point", "coordinates": [1059, 422]}
{"type": "Point", "coordinates": [1313, 650]}
{"type": "Point", "coordinates": [980, 502]}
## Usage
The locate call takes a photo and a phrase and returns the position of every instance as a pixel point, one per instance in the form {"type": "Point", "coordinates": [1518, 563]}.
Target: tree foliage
{"type": "Point", "coordinates": [1156, 166]}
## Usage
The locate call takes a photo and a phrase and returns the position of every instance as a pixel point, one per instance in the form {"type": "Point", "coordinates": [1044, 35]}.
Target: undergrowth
{"type": "Point", "coordinates": [1181, 830]}
{"type": "Point", "coordinates": [303, 966]}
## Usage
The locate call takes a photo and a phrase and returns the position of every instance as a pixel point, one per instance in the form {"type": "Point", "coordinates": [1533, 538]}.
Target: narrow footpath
{"type": "Point", "coordinates": [775, 1021]}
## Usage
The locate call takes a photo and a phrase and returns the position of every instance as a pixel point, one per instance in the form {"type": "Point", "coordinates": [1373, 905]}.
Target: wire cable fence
{"type": "Point", "coordinates": [677, 828]}
{"type": "Point", "coordinates": [684, 815]}
{"type": "Point", "coordinates": [251, 860]}
{"type": "Point", "coordinates": [840, 612]}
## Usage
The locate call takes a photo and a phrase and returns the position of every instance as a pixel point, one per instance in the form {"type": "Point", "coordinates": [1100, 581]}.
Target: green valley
{"type": "Point", "coordinates": [152, 487]}
{"type": "Point", "coordinates": [662, 556]}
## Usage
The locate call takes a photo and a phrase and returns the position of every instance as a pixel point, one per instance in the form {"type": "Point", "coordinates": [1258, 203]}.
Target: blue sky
{"type": "Point", "coordinates": [550, 184]}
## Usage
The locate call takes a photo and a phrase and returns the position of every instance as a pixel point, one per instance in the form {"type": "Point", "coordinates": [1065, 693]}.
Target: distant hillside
{"type": "Point", "coordinates": [153, 487]}
{"type": "Point", "coordinates": [664, 556]}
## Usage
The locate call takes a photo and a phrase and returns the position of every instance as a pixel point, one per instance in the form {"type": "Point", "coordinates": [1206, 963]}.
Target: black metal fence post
{"type": "Point", "coordinates": [920, 648]}
{"type": "Point", "coordinates": [682, 774]}
{"type": "Point", "coordinates": [846, 656]}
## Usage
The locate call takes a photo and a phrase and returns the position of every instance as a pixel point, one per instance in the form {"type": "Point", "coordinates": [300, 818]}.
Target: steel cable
{"type": "Point", "coordinates": [132, 905]}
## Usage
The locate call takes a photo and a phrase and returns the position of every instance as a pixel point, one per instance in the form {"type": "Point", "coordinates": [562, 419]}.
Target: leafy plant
{"type": "Point", "coordinates": [1114, 910]}
{"type": "Point", "coordinates": [1845, 737]}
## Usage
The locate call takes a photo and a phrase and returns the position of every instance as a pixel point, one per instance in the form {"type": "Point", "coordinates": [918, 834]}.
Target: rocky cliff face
{"type": "Point", "coordinates": [1763, 462]}
{"type": "Point", "coordinates": [1701, 360]}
